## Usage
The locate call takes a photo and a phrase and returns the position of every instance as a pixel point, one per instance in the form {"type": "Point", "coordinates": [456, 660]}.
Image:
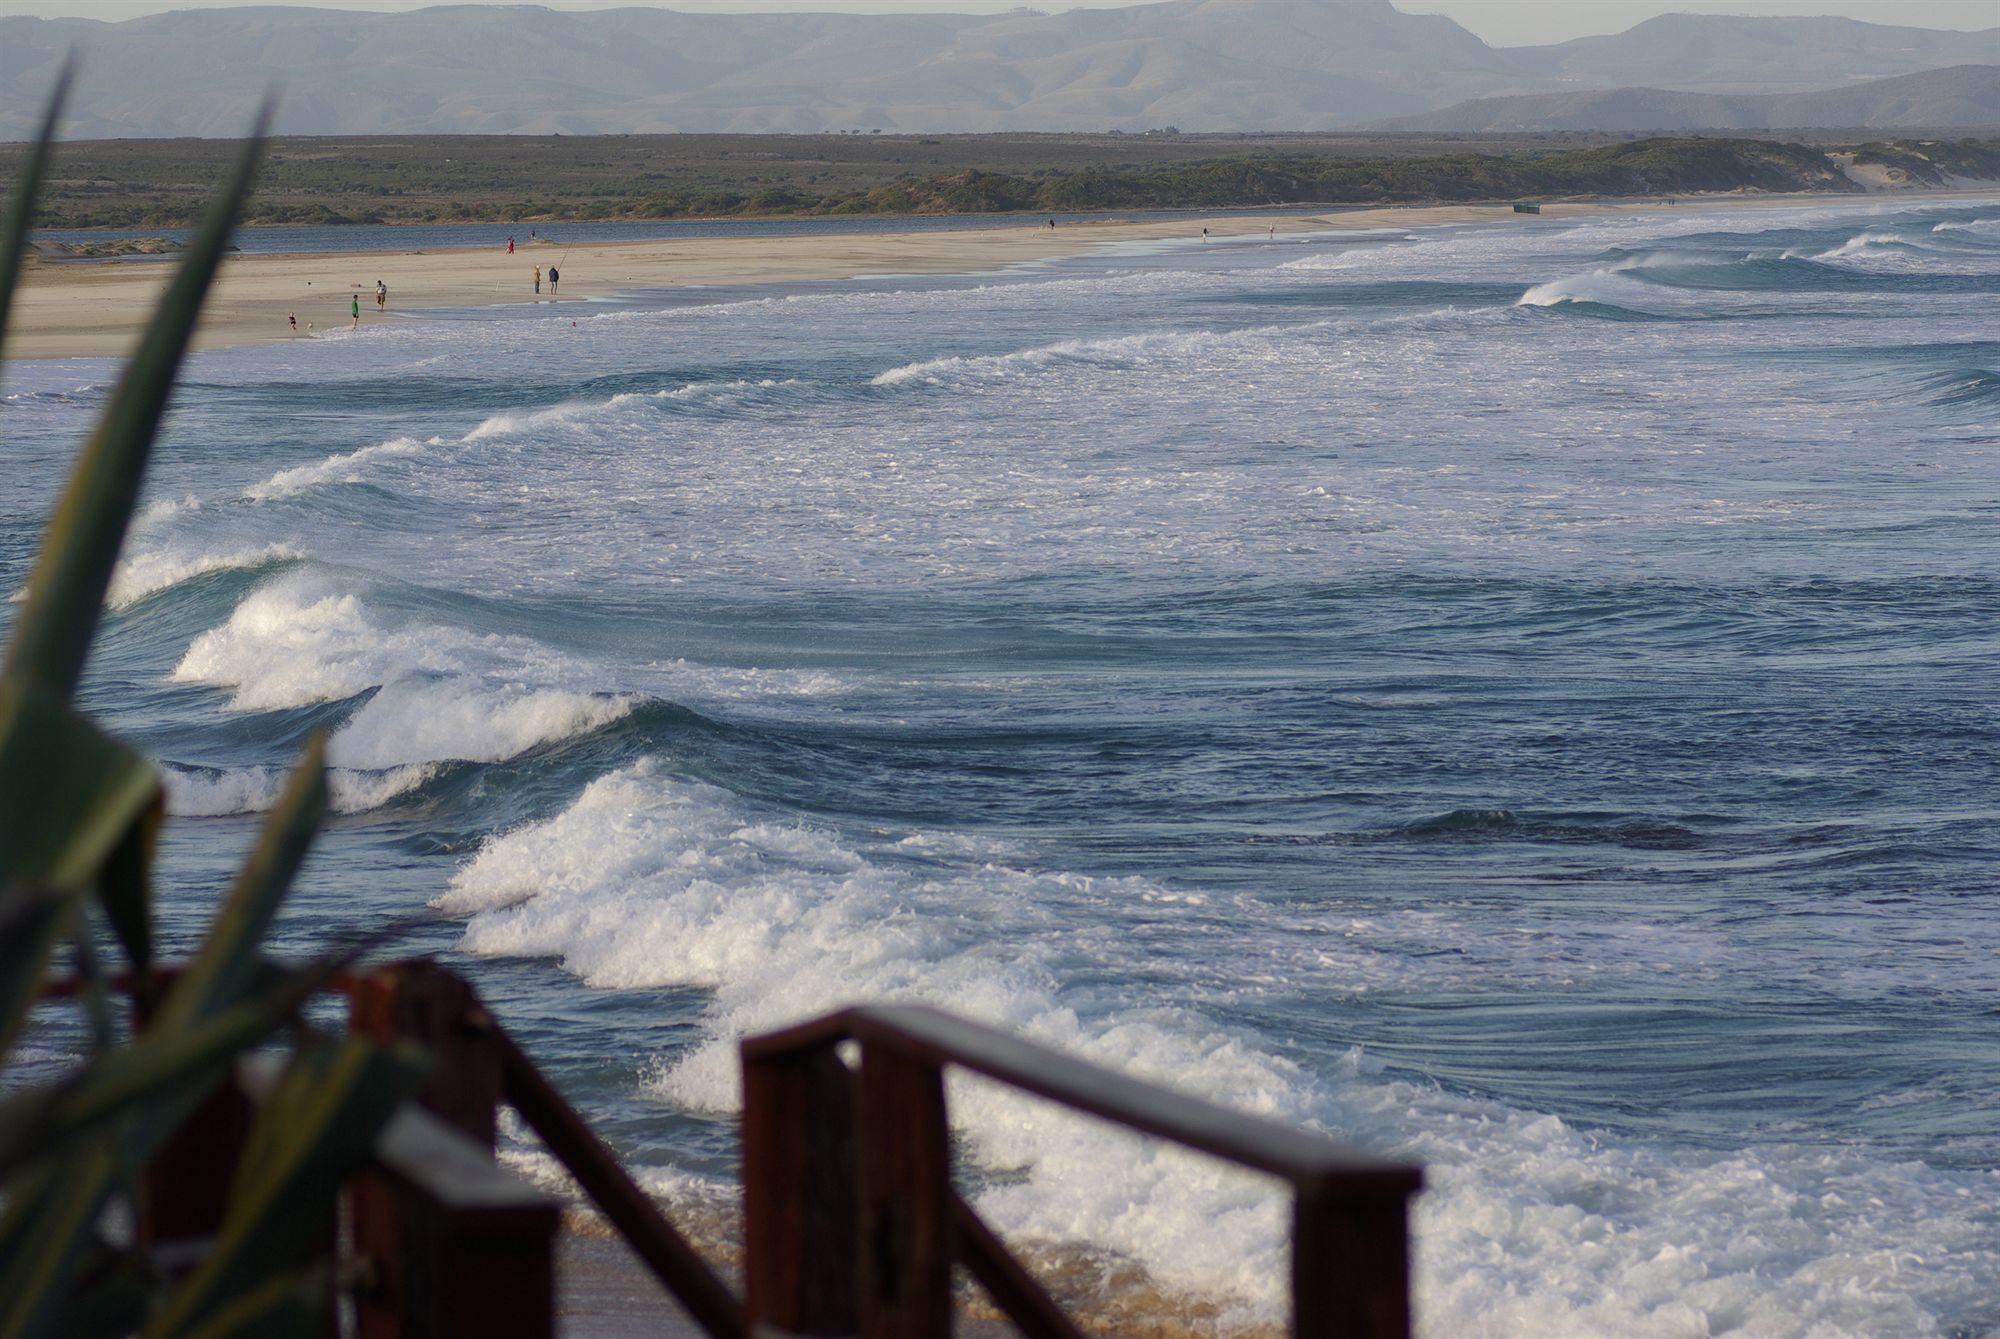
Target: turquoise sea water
{"type": "Point", "coordinates": [1520, 697]}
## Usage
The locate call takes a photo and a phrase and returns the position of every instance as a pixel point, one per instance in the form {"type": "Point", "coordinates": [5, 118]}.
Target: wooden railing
{"type": "Point", "coordinates": [851, 1223]}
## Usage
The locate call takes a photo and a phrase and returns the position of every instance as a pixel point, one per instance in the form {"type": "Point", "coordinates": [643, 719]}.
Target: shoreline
{"type": "Point", "coordinates": [95, 309]}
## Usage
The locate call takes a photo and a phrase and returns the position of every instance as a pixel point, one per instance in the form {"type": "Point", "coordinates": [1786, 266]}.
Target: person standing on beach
{"type": "Point", "coordinates": [555, 277]}
{"type": "Point", "coordinates": [381, 296]}
{"type": "Point", "coordinates": [293, 317]}
{"type": "Point", "coordinates": [354, 310]}
{"type": "Point", "coordinates": [538, 281]}
{"type": "Point", "coordinates": [510, 246]}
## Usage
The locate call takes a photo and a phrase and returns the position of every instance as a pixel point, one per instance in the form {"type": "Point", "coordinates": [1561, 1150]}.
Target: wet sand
{"type": "Point", "coordinates": [94, 309]}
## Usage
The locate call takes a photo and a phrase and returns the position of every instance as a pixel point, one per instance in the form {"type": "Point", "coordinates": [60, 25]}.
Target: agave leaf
{"type": "Point", "coordinates": [110, 1297]}
{"type": "Point", "coordinates": [284, 1308]}
{"type": "Point", "coordinates": [230, 952]}
{"type": "Point", "coordinates": [49, 1226]}
{"type": "Point", "coordinates": [21, 209]}
{"type": "Point", "coordinates": [317, 1125]}
{"type": "Point", "coordinates": [31, 920]}
{"type": "Point", "coordinates": [125, 884]}
{"type": "Point", "coordinates": [157, 1078]}
{"type": "Point", "coordinates": [69, 794]}
{"type": "Point", "coordinates": [80, 547]}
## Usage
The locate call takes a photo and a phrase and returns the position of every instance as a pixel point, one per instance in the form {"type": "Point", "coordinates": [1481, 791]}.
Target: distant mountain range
{"type": "Point", "coordinates": [1963, 95]}
{"type": "Point", "coordinates": [1212, 65]}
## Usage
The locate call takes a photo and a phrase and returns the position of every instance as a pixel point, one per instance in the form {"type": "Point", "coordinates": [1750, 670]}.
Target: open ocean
{"type": "Point", "coordinates": [1524, 698]}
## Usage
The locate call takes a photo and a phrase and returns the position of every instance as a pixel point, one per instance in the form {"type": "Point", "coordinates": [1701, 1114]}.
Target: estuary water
{"type": "Point", "coordinates": [1517, 697]}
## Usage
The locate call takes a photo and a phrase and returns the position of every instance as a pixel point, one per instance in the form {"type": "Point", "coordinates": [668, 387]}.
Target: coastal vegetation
{"type": "Point", "coordinates": [138, 184]}
{"type": "Point", "coordinates": [80, 815]}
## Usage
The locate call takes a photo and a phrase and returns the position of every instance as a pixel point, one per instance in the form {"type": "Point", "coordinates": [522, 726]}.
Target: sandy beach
{"type": "Point", "coordinates": [93, 309]}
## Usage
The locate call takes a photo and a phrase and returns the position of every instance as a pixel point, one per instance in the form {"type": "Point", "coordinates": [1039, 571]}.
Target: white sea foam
{"type": "Point", "coordinates": [1608, 287]}
{"type": "Point", "coordinates": [1979, 227]}
{"type": "Point", "coordinates": [1126, 351]}
{"type": "Point", "coordinates": [1532, 1226]}
{"type": "Point", "coordinates": [345, 468]}
{"type": "Point", "coordinates": [443, 693]}
{"type": "Point", "coordinates": [584, 412]}
{"type": "Point", "coordinates": [214, 792]}
{"type": "Point", "coordinates": [147, 573]}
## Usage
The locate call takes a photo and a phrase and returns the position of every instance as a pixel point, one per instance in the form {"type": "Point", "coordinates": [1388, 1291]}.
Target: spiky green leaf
{"type": "Point", "coordinates": [232, 948]}
{"type": "Point", "coordinates": [69, 794]}
{"type": "Point", "coordinates": [317, 1125]}
{"type": "Point", "coordinates": [287, 1307]}
{"type": "Point", "coordinates": [31, 921]}
{"type": "Point", "coordinates": [125, 886]}
{"type": "Point", "coordinates": [21, 209]}
{"type": "Point", "coordinates": [80, 547]}
{"type": "Point", "coordinates": [150, 1083]}
{"type": "Point", "coordinates": [49, 1227]}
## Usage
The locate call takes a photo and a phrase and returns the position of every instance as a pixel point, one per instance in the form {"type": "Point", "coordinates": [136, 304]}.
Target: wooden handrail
{"type": "Point", "coordinates": [934, 1037]}
{"type": "Point", "coordinates": [851, 1223]}
{"type": "Point", "coordinates": [639, 1221]}
{"type": "Point", "coordinates": [811, 1121]}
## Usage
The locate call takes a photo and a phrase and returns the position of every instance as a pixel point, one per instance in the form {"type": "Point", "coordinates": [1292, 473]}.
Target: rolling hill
{"type": "Point", "coordinates": [1216, 65]}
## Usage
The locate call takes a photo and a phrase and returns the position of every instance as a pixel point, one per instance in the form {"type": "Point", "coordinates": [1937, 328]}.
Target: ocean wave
{"type": "Point", "coordinates": [144, 574]}
{"type": "Point", "coordinates": [722, 394]}
{"type": "Point", "coordinates": [1496, 825]}
{"type": "Point", "coordinates": [1123, 351]}
{"type": "Point", "coordinates": [343, 468]}
{"type": "Point", "coordinates": [1607, 290]}
{"type": "Point", "coordinates": [435, 693]}
{"type": "Point", "coordinates": [213, 792]}
{"type": "Point", "coordinates": [647, 881]}
{"type": "Point", "coordinates": [1977, 227]}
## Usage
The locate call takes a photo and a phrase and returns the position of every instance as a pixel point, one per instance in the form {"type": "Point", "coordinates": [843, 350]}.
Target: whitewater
{"type": "Point", "coordinates": [1516, 697]}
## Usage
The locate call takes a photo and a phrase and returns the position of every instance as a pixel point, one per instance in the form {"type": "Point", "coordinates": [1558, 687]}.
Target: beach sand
{"type": "Point", "coordinates": [94, 309]}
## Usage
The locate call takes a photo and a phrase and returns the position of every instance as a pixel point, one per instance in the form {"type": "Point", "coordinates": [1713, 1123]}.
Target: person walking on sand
{"type": "Point", "coordinates": [293, 317]}
{"type": "Point", "coordinates": [555, 277]}
{"type": "Point", "coordinates": [381, 296]}
{"type": "Point", "coordinates": [354, 310]}
{"type": "Point", "coordinates": [510, 246]}
{"type": "Point", "coordinates": [538, 281]}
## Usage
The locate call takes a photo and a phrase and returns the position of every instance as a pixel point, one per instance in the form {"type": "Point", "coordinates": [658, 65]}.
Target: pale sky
{"type": "Point", "coordinates": [1500, 22]}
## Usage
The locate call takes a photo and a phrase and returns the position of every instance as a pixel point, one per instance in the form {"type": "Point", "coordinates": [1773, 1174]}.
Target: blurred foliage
{"type": "Point", "coordinates": [79, 818]}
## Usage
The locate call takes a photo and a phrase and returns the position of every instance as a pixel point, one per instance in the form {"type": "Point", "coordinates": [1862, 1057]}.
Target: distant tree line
{"type": "Point", "coordinates": [1667, 165]}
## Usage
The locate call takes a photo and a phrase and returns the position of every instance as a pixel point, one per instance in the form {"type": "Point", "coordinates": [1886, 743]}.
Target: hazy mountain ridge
{"type": "Point", "coordinates": [1195, 64]}
{"type": "Point", "coordinates": [1962, 95]}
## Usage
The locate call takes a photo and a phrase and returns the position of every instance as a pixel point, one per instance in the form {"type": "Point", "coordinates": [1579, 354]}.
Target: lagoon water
{"type": "Point", "coordinates": [1521, 698]}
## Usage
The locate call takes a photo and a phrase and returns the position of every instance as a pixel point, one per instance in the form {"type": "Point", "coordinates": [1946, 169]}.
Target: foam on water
{"type": "Point", "coordinates": [148, 573]}
{"type": "Point", "coordinates": [211, 792]}
{"type": "Point", "coordinates": [344, 468]}
{"type": "Point", "coordinates": [440, 693]}
{"type": "Point", "coordinates": [1531, 1226]}
{"type": "Point", "coordinates": [1164, 688]}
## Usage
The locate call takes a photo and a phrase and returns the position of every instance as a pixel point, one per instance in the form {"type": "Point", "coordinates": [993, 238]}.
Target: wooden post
{"type": "Point", "coordinates": [799, 1193]}
{"type": "Point", "coordinates": [458, 1248]}
{"type": "Point", "coordinates": [410, 1252]}
{"type": "Point", "coordinates": [904, 1163]}
{"type": "Point", "coordinates": [1350, 1266]}
{"type": "Point", "coordinates": [184, 1190]}
{"type": "Point", "coordinates": [437, 1009]}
